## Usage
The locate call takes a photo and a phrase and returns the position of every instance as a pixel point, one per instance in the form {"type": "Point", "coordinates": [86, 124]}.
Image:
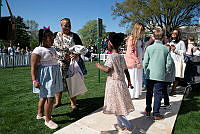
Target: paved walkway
{"type": "Point", "coordinates": [99, 123]}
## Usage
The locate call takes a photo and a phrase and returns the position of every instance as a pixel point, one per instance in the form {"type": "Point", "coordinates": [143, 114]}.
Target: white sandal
{"type": "Point", "coordinates": [43, 117]}
{"type": "Point", "coordinates": [40, 117]}
{"type": "Point", "coordinates": [51, 124]}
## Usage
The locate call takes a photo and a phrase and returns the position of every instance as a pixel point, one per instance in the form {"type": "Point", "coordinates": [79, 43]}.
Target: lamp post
{"type": "Point", "coordinates": [0, 7]}
{"type": "Point", "coordinates": [99, 36]}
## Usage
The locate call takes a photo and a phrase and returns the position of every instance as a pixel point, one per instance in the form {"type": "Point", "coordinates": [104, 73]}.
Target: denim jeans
{"type": "Point", "coordinates": [143, 80]}
{"type": "Point", "coordinates": [165, 93]}
{"type": "Point", "coordinates": [156, 88]}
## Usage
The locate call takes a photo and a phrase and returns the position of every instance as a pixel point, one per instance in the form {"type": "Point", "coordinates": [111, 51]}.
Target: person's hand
{"type": "Point", "coordinates": [173, 47]}
{"type": "Point", "coordinates": [130, 85]}
{"type": "Point", "coordinates": [139, 66]}
{"type": "Point", "coordinates": [73, 56]}
{"type": "Point", "coordinates": [36, 84]}
{"type": "Point", "coordinates": [98, 65]}
{"type": "Point", "coordinates": [67, 57]}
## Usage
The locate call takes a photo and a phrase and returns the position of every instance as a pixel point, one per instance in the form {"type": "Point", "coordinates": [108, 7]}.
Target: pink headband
{"type": "Point", "coordinates": [110, 42]}
{"type": "Point", "coordinates": [46, 28]}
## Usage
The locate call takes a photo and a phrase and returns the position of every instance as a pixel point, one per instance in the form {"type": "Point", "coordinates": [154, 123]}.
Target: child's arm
{"type": "Point", "coordinates": [34, 61]}
{"type": "Point", "coordinates": [128, 78]}
{"type": "Point", "coordinates": [103, 68]}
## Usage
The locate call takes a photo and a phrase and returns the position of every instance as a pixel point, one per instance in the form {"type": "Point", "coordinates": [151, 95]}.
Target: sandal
{"type": "Point", "coordinates": [127, 131]}
{"type": "Point", "coordinates": [43, 117]}
{"type": "Point", "coordinates": [56, 106]}
{"type": "Point", "coordinates": [50, 124]}
{"type": "Point", "coordinates": [118, 128]}
{"type": "Point", "coordinates": [74, 107]}
{"type": "Point", "coordinates": [40, 117]}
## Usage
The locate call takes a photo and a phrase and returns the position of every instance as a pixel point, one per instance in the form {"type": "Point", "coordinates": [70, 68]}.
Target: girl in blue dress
{"type": "Point", "coordinates": [46, 76]}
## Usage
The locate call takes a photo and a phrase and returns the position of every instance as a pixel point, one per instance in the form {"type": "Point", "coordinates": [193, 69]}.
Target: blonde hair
{"type": "Point", "coordinates": [136, 32]}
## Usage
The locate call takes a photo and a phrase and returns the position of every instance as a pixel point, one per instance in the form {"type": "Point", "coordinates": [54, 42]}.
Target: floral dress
{"type": "Point", "coordinates": [117, 97]}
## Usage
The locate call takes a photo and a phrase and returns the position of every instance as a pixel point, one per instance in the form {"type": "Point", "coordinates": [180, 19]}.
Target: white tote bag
{"type": "Point", "coordinates": [75, 83]}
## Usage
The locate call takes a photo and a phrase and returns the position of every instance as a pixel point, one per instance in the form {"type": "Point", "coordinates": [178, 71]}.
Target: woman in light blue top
{"type": "Point", "coordinates": [46, 76]}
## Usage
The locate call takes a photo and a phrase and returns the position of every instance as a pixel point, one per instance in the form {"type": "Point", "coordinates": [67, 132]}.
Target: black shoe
{"type": "Point", "coordinates": [147, 114]}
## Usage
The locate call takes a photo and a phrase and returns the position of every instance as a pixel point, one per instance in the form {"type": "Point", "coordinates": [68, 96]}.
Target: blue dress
{"type": "Point", "coordinates": [48, 73]}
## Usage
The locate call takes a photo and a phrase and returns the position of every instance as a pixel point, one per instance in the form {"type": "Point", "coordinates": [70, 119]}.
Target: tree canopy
{"type": "Point", "coordinates": [33, 31]}
{"type": "Point", "coordinates": [168, 14]}
{"type": "Point", "coordinates": [22, 35]}
{"type": "Point", "coordinates": [88, 33]}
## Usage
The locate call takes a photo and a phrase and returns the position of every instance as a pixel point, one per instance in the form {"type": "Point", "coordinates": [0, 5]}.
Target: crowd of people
{"type": "Point", "coordinates": [57, 67]}
{"type": "Point", "coordinates": [14, 50]}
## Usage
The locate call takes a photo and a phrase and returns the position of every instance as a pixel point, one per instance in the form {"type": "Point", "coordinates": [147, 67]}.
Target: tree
{"type": "Point", "coordinates": [33, 31]}
{"type": "Point", "coordinates": [22, 34]}
{"type": "Point", "coordinates": [88, 33]}
{"type": "Point", "coordinates": [32, 28]}
{"type": "Point", "coordinates": [168, 14]}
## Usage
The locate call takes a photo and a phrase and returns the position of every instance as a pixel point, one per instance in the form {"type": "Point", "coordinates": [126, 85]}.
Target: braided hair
{"type": "Point", "coordinates": [42, 34]}
{"type": "Point", "coordinates": [116, 39]}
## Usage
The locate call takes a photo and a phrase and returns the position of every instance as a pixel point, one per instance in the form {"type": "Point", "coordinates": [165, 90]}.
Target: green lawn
{"type": "Point", "coordinates": [188, 121]}
{"type": "Point", "coordinates": [18, 105]}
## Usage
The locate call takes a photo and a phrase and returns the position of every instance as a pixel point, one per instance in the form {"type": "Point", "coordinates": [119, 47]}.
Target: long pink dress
{"type": "Point", "coordinates": [117, 97]}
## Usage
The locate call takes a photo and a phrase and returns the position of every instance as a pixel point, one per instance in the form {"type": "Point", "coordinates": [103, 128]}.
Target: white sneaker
{"type": "Point", "coordinates": [51, 124]}
{"type": "Point", "coordinates": [166, 106]}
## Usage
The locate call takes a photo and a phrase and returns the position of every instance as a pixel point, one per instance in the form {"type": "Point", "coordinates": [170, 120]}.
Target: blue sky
{"type": "Point", "coordinates": [49, 12]}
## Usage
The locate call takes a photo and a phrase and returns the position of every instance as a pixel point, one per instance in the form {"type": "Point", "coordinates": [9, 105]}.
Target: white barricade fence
{"type": "Point", "coordinates": [16, 60]}
{"type": "Point", "coordinates": [24, 60]}
{"type": "Point", "coordinates": [103, 57]}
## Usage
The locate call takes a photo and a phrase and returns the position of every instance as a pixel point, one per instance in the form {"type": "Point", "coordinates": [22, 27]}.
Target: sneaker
{"type": "Point", "coordinates": [159, 117]}
{"type": "Point", "coordinates": [50, 124]}
{"type": "Point", "coordinates": [40, 117]}
{"type": "Point", "coordinates": [144, 89]}
{"type": "Point", "coordinates": [116, 126]}
{"type": "Point", "coordinates": [147, 114]}
{"type": "Point", "coordinates": [166, 106]}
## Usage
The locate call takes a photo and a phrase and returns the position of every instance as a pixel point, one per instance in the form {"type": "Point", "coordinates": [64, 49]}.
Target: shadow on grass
{"type": "Point", "coordinates": [191, 102]}
{"type": "Point", "coordinates": [85, 107]}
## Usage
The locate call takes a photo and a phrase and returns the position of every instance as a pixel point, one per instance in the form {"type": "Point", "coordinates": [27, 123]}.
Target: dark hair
{"type": "Point", "coordinates": [178, 38]}
{"type": "Point", "coordinates": [185, 40]}
{"type": "Point", "coordinates": [55, 34]}
{"type": "Point", "coordinates": [116, 39]}
{"type": "Point", "coordinates": [67, 19]}
{"type": "Point", "coordinates": [42, 34]}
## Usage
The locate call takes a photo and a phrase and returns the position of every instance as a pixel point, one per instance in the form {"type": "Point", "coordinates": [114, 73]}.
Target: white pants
{"type": "Point", "coordinates": [136, 81]}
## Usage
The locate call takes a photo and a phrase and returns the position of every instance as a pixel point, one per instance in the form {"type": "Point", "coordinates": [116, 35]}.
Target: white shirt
{"type": "Point", "coordinates": [178, 53]}
{"type": "Point", "coordinates": [48, 56]}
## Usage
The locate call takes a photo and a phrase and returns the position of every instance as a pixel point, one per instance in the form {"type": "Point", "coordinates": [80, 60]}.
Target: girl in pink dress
{"type": "Point", "coordinates": [117, 97]}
